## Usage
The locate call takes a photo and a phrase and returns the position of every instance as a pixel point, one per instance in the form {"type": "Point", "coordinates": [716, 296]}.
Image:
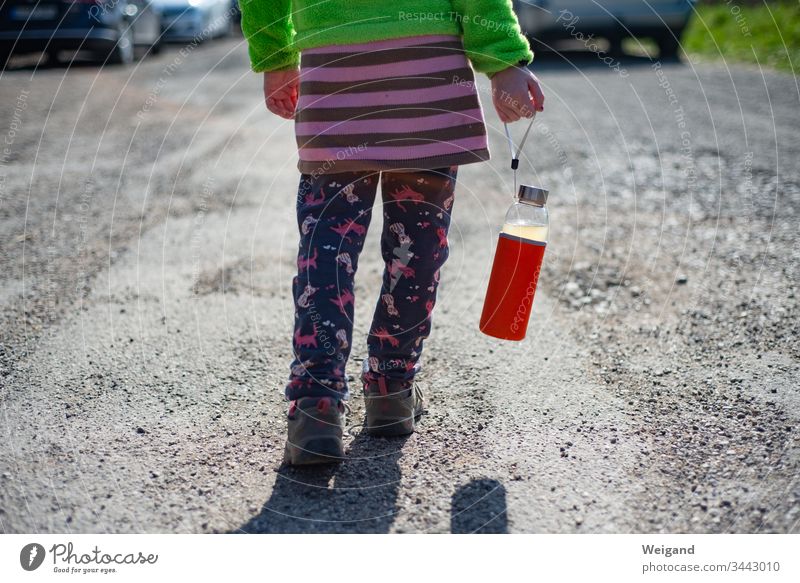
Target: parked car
{"type": "Point", "coordinates": [195, 20]}
{"type": "Point", "coordinates": [108, 28]}
{"type": "Point", "coordinates": [662, 20]}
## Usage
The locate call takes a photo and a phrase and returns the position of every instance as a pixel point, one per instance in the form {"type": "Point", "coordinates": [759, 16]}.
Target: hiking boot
{"type": "Point", "coordinates": [393, 407]}
{"type": "Point", "coordinates": [315, 431]}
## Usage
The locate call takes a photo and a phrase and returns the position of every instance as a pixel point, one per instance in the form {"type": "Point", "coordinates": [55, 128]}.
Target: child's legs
{"type": "Point", "coordinates": [333, 213]}
{"type": "Point", "coordinates": [416, 213]}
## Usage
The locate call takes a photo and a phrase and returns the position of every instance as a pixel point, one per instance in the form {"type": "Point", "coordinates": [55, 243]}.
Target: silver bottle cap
{"type": "Point", "coordinates": [533, 194]}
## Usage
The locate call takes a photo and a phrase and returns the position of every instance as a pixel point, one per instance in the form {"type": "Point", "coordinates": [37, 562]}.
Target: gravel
{"type": "Point", "coordinates": [147, 242]}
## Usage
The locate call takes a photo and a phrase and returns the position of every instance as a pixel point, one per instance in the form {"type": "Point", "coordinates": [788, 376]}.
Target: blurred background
{"type": "Point", "coordinates": [119, 31]}
{"type": "Point", "coordinates": [108, 31]}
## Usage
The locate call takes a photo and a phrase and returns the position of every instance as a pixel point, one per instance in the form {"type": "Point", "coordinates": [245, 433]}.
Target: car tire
{"type": "Point", "coordinates": [122, 53]}
{"type": "Point", "coordinates": [669, 45]}
{"type": "Point", "coordinates": [157, 46]}
{"type": "Point", "coordinates": [615, 46]}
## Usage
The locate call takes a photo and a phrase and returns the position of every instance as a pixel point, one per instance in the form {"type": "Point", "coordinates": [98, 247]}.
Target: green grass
{"type": "Point", "coordinates": [720, 30]}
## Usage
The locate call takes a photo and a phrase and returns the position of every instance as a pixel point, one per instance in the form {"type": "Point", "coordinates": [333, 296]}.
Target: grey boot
{"type": "Point", "coordinates": [393, 407]}
{"type": "Point", "coordinates": [315, 431]}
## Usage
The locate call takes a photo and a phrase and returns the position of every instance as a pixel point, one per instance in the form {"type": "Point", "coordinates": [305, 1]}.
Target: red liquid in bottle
{"type": "Point", "coordinates": [512, 285]}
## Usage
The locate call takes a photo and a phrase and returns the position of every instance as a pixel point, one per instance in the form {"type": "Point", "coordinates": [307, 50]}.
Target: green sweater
{"type": "Point", "coordinates": [277, 30]}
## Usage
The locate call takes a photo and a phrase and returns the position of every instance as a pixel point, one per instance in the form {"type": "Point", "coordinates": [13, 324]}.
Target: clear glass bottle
{"type": "Point", "coordinates": [528, 217]}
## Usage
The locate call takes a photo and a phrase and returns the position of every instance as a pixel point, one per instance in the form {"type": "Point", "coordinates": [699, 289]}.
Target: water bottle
{"type": "Point", "coordinates": [516, 267]}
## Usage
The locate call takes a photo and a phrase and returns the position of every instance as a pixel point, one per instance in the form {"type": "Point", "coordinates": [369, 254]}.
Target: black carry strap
{"type": "Point", "coordinates": [515, 155]}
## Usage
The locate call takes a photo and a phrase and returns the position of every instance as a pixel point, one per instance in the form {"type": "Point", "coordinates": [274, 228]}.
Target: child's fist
{"type": "Point", "coordinates": [516, 94]}
{"type": "Point", "coordinates": [280, 91]}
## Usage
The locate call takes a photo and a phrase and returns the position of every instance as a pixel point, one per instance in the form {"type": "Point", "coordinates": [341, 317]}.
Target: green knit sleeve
{"type": "Point", "coordinates": [493, 39]}
{"type": "Point", "coordinates": [267, 26]}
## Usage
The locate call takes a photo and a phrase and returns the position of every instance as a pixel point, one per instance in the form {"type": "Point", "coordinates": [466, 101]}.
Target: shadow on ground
{"type": "Point", "coordinates": [360, 495]}
{"type": "Point", "coordinates": [357, 496]}
{"type": "Point", "coordinates": [479, 507]}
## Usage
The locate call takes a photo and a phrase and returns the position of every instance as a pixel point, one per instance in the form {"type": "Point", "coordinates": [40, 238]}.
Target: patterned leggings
{"type": "Point", "coordinates": [333, 214]}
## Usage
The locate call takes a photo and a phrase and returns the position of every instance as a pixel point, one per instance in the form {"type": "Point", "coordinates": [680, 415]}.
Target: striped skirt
{"type": "Point", "coordinates": [406, 103]}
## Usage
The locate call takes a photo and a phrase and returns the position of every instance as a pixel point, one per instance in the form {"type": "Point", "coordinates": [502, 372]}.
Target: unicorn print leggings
{"type": "Point", "coordinates": [333, 214]}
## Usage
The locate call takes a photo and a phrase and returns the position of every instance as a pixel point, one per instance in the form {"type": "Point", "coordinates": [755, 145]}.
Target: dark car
{"type": "Point", "coordinates": [554, 20]}
{"type": "Point", "coordinates": [195, 20]}
{"type": "Point", "coordinates": [110, 29]}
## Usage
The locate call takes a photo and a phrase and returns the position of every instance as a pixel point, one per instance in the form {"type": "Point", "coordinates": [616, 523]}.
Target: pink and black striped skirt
{"type": "Point", "coordinates": [406, 103]}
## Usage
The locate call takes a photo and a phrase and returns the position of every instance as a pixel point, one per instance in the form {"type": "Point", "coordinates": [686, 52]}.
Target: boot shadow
{"type": "Point", "coordinates": [359, 495]}
{"type": "Point", "coordinates": [479, 507]}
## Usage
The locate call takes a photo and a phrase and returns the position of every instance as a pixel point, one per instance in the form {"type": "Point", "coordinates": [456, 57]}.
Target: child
{"type": "Point", "coordinates": [381, 92]}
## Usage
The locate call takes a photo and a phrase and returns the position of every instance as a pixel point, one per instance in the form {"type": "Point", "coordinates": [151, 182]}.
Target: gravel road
{"type": "Point", "coordinates": [147, 244]}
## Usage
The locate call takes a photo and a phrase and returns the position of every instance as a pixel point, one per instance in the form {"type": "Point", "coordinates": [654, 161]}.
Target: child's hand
{"type": "Point", "coordinates": [516, 94]}
{"type": "Point", "coordinates": [280, 91]}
